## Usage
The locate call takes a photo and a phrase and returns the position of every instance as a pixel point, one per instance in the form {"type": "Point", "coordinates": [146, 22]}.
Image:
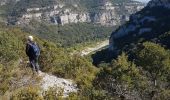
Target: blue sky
{"type": "Point", "coordinates": [143, 0]}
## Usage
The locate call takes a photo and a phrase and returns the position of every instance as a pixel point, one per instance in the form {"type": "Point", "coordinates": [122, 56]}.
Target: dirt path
{"type": "Point", "coordinates": [98, 46]}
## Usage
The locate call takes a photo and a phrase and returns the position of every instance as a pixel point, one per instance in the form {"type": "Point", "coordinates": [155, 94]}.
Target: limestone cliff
{"type": "Point", "coordinates": [5, 2]}
{"type": "Point", "coordinates": [105, 13]}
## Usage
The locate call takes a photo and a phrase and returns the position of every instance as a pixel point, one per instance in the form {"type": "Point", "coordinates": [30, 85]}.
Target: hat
{"type": "Point", "coordinates": [30, 38]}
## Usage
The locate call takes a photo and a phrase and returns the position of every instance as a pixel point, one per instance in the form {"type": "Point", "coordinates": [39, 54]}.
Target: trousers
{"type": "Point", "coordinates": [34, 64]}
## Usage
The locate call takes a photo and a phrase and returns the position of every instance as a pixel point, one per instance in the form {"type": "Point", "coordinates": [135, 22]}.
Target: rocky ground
{"type": "Point", "coordinates": [48, 81]}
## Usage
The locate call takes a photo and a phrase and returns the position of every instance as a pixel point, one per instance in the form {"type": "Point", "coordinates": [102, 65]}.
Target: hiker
{"type": "Point", "coordinates": [33, 52]}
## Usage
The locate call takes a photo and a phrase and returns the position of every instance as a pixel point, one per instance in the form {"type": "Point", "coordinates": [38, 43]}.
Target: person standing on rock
{"type": "Point", "coordinates": [33, 52]}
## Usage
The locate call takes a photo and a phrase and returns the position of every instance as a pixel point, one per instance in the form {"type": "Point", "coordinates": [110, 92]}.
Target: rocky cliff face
{"type": "Point", "coordinates": [5, 2]}
{"type": "Point", "coordinates": [107, 13]}
{"type": "Point", "coordinates": [115, 14]}
{"type": "Point", "coordinates": [154, 3]}
{"type": "Point", "coordinates": [147, 24]}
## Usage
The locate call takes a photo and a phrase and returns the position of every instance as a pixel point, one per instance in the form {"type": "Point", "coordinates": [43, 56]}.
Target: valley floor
{"type": "Point", "coordinates": [91, 49]}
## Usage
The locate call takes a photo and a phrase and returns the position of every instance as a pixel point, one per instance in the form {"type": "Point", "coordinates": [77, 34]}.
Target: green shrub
{"type": "Point", "coordinates": [53, 94]}
{"type": "Point", "coordinates": [27, 93]}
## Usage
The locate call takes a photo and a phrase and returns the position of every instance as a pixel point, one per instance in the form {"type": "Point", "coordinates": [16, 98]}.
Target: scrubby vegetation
{"type": "Point", "coordinates": [145, 76]}
{"type": "Point", "coordinates": [54, 59]}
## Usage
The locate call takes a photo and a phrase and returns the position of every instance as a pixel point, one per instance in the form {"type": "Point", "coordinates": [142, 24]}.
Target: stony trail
{"type": "Point", "coordinates": [52, 81]}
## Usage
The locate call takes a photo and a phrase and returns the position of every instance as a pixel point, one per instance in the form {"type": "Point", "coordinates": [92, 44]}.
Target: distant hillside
{"type": "Point", "coordinates": [76, 21]}
{"type": "Point", "coordinates": [104, 12]}
{"type": "Point", "coordinates": [68, 18]}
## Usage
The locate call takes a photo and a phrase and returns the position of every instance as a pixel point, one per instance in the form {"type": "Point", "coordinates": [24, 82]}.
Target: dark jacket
{"type": "Point", "coordinates": [29, 51]}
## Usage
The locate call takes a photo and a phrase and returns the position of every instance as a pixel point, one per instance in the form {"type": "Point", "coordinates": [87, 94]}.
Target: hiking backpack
{"type": "Point", "coordinates": [34, 49]}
